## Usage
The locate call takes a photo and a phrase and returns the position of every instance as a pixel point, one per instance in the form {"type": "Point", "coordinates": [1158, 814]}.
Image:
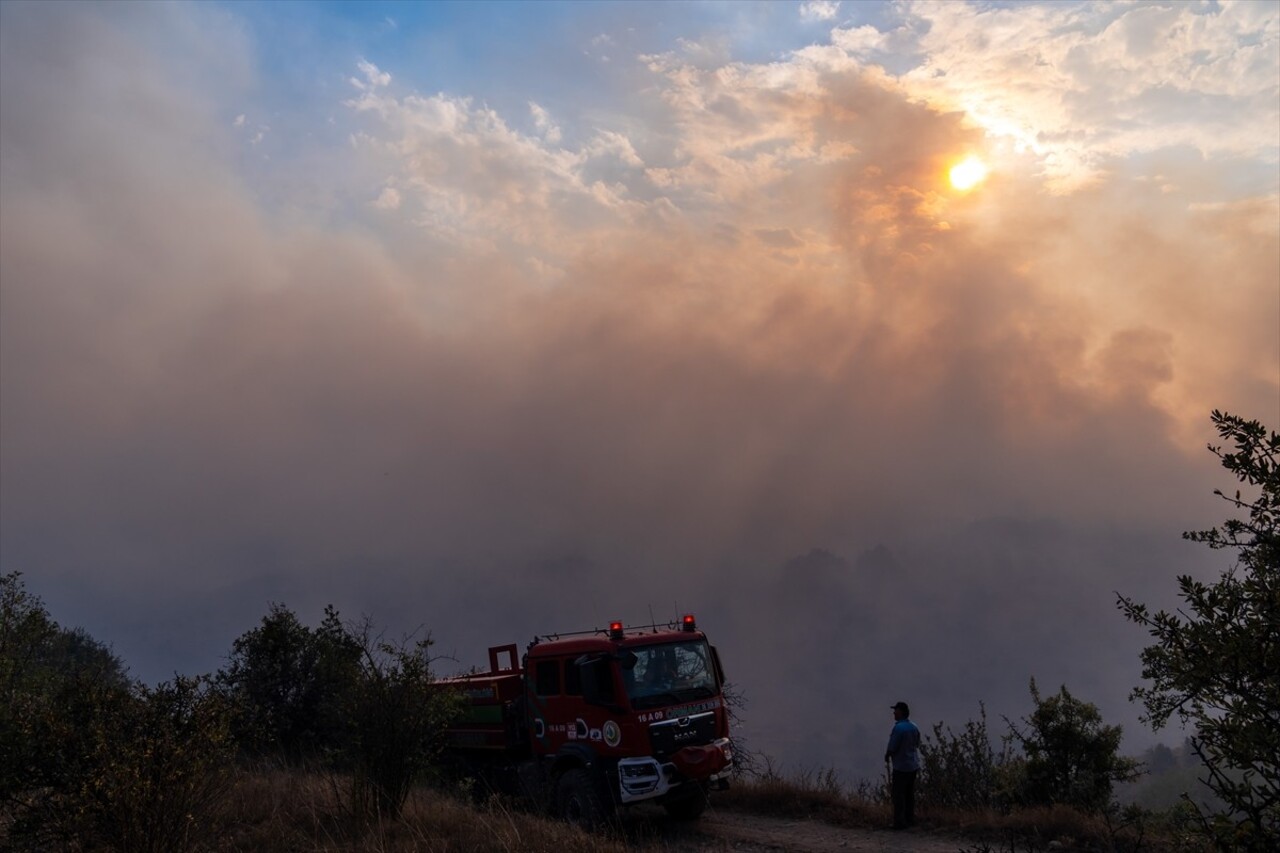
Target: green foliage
{"type": "Point", "coordinates": [1071, 758]}
{"type": "Point", "coordinates": [25, 632]}
{"type": "Point", "coordinates": [1213, 664]}
{"type": "Point", "coordinates": [959, 770]}
{"type": "Point", "coordinates": [289, 684]}
{"type": "Point", "coordinates": [1063, 756]}
{"type": "Point", "coordinates": [152, 767]}
{"type": "Point", "coordinates": [340, 695]}
{"type": "Point", "coordinates": [397, 721]}
{"type": "Point", "coordinates": [44, 669]}
{"type": "Point", "coordinates": [88, 759]}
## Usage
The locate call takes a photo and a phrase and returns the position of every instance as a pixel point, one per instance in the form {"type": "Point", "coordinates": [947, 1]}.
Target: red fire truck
{"type": "Point", "coordinates": [591, 720]}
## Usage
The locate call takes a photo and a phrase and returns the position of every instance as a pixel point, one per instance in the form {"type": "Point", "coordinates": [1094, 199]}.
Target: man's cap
{"type": "Point", "coordinates": [903, 707]}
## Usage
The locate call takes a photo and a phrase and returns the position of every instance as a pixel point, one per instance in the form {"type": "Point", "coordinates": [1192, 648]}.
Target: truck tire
{"type": "Point", "coordinates": [688, 806]}
{"type": "Point", "coordinates": [578, 799]}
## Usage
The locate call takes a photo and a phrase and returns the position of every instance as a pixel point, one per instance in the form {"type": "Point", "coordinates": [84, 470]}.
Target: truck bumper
{"type": "Point", "coordinates": [646, 778]}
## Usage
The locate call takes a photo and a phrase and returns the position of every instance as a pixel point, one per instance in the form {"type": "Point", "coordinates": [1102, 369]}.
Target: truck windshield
{"type": "Point", "coordinates": [669, 673]}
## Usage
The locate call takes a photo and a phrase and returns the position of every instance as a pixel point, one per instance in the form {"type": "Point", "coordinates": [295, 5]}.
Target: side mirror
{"type": "Point", "coordinates": [715, 658]}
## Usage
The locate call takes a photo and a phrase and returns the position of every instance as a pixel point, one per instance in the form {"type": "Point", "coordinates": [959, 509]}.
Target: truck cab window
{"type": "Point", "coordinates": [547, 678]}
{"type": "Point", "coordinates": [670, 672]}
{"type": "Point", "coordinates": [601, 673]}
{"type": "Point", "coordinates": [593, 679]}
{"type": "Point", "coordinates": [572, 679]}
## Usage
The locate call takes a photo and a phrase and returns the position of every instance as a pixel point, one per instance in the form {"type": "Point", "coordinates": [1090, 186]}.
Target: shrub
{"type": "Point", "coordinates": [396, 719]}
{"type": "Point", "coordinates": [158, 763]}
{"type": "Point", "coordinates": [289, 685]}
{"type": "Point", "coordinates": [341, 696]}
{"type": "Point", "coordinates": [1071, 757]}
{"type": "Point", "coordinates": [959, 770]}
{"type": "Point", "coordinates": [126, 768]}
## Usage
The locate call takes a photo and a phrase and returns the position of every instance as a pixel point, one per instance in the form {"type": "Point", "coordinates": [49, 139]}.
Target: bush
{"type": "Point", "coordinates": [89, 759]}
{"type": "Point", "coordinates": [289, 684]}
{"type": "Point", "coordinates": [959, 770]}
{"type": "Point", "coordinates": [342, 697]}
{"type": "Point", "coordinates": [131, 768]}
{"type": "Point", "coordinates": [158, 761]}
{"type": "Point", "coordinates": [397, 720]}
{"type": "Point", "coordinates": [1071, 757]}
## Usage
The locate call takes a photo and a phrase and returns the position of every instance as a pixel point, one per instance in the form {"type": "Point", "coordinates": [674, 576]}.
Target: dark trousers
{"type": "Point", "coordinates": [904, 798]}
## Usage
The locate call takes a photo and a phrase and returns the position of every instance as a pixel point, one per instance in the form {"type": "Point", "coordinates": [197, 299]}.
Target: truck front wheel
{"type": "Point", "coordinates": [688, 806]}
{"type": "Point", "coordinates": [578, 799]}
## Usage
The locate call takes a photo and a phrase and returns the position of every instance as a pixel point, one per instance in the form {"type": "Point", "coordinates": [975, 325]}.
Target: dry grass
{"type": "Point", "coordinates": [272, 810]}
{"type": "Point", "coordinates": [820, 796]}
{"type": "Point", "coordinates": [806, 794]}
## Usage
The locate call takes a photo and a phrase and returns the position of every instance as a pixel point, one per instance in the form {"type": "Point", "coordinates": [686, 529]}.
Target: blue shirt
{"type": "Point", "coordinates": [904, 740]}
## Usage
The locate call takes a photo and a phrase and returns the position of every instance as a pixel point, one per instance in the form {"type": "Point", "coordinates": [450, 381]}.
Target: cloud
{"type": "Point", "coordinates": [542, 121]}
{"type": "Point", "coordinates": [1082, 84]}
{"type": "Point", "coordinates": [373, 77]}
{"type": "Point", "coordinates": [388, 199]}
{"type": "Point", "coordinates": [819, 10]}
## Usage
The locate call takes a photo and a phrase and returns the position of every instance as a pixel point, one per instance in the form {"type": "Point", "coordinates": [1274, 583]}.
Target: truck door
{"type": "Point", "coordinates": [557, 706]}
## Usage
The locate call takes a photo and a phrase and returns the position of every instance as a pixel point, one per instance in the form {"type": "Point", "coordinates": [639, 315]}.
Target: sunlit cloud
{"type": "Point", "coordinates": [542, 121]}
{"type": "Point", "coordinates": [819, 10]}
{"type": "Point", "coordinates": [1081, 84]}
{"type": "Point", "coordinates": [373, 78]}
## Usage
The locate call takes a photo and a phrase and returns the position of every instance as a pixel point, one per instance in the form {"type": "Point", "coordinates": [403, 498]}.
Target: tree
{"type": "Point", "coordinates": [92, 760]}
{"type": "Point", "coordinates": [290, 684]}
{"type": "Point", "coordinates": [341, 695]}
{"type": "Point", "coordinates": [1215, 661]}
{"type": "Point", "coordinates": [43, 667]}
{"type": "Point", "coordinates": [397, 720]}
{"type": "Point", "coordinates": [1071, 757]}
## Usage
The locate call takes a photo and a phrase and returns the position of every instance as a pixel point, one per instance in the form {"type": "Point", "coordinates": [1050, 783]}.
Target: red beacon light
{"type": "Point", "coordinates": [688, 623]}
{"type": "Point", "coordinates": [615, 630]}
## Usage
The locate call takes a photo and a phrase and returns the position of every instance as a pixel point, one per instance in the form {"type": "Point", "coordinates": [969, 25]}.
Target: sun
{"type": "Point", "coordinates": [968, 173]}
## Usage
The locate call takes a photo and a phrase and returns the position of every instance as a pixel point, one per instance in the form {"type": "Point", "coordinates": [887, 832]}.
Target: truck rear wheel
{"type": "Point", "coordinates": [690, 806]}
{"type": "Point", "coordinates": [578, 799]}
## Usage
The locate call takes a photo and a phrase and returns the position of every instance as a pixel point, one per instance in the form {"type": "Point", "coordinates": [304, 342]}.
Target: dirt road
{"type": "Point", "coordinates": [733, 831]}
{"type": "Point", "coordinates": [722, 831]}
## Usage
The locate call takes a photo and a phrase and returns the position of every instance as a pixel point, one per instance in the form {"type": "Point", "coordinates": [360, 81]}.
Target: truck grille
{"type": "Point", "coordinates": [670, 736]}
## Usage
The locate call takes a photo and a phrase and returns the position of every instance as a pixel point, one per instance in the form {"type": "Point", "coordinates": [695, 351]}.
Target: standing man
{"type": "Point", "coordinates": [904, 741]}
